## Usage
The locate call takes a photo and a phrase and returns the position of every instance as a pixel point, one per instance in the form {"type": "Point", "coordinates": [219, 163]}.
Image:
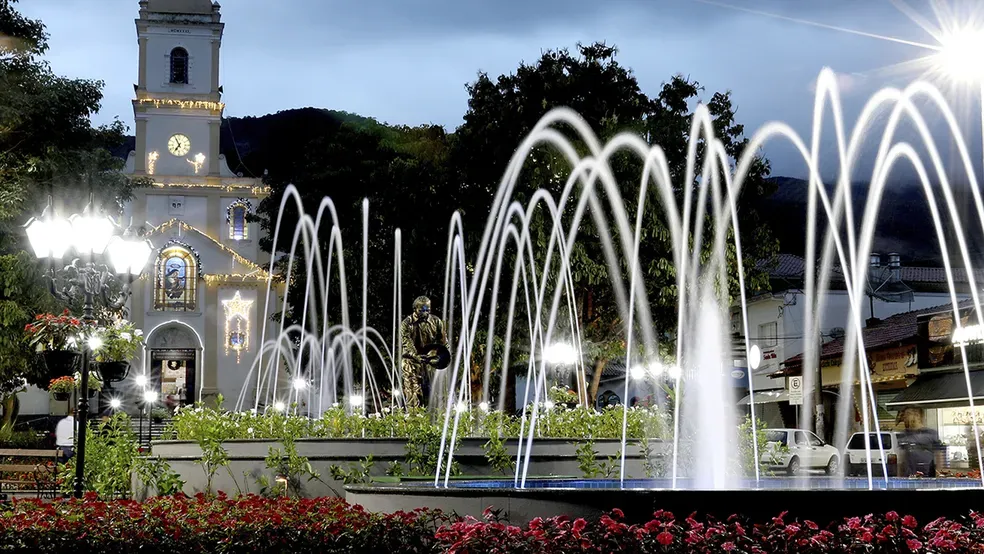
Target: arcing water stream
{"type": "Point", "coordinates": [342, 361]}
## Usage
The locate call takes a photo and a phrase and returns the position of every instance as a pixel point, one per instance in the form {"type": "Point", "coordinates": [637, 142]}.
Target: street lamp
{"type": "Point", "coordinates": [93, 239]}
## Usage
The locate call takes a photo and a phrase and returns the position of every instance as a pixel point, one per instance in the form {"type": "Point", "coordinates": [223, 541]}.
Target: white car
{"type": "Point", "coordinates": [857, 456]}
{"type": "Point", "coordinates": [802, 449]}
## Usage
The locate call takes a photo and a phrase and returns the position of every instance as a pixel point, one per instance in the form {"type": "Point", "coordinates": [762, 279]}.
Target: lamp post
{"type": "Point", "coordinates": [104, 259]}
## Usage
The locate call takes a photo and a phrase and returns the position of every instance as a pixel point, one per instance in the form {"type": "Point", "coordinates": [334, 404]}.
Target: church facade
{"type": "Point", "coordinates": [201, 299]}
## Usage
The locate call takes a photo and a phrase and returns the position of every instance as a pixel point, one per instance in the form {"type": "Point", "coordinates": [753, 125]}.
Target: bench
{"type": "Point", "coordinates": [37, 472]}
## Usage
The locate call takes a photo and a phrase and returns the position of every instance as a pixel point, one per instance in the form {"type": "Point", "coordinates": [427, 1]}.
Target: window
{"type": "Point", "coordinates": [179, 66]}
{"type": "Point", "coordinates": [801, 439]}
{"type": "Point", "coordinates": [768, 334]}
{"type": "Point", "coordinates": [814, 440]}
{"type": "Point", "coordinates": [780, 437]}
{"type": "Point", "coordinates": [236, 218]}
{"type": "Point", "coordinates": [176, 286]}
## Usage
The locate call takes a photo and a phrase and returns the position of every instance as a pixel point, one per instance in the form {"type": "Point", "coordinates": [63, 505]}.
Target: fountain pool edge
{"type": "Point", "coordinates": [518, 506]}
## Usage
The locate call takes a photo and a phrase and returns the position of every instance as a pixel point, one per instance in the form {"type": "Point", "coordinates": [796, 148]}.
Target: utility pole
{"type": "Point", "coordinates": [818, 393]}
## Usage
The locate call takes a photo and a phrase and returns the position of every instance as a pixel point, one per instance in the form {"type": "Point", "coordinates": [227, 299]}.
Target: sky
{"type": "Point", "coordinates": [408, 61]}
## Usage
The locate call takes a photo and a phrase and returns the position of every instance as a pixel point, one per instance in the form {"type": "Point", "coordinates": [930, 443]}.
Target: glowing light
{"type": "Point", "coordinates": [483, 406]}
{"type": "Point", "coordinates": [183, 104]}
{"type": "Point", "coordinates": [299, 383]}
{"type": "Point", "coordinates": [150, 396]}
{"type": "Point", "coordinates": [461, 407]}
{"type": "Point", "coordinates": [560, 353]}
{"type": "Point", "coordinates": [962, 54]}
{"type": "Point", "coordinates": [754, 357]}
{"type": "Point", "coordinates": [140, 381]}
{"type": "Point", "coordinates": [656, 369]}
{"type": "Point", "coordinates": [673, 372]}
{"type": "Point", "coordinates": [182, 226]}
{"type": "Point", "coordinates": [253, 189]}
{"type": "Point", "coordinates": [637, 373]}
{"type": "Point", "coordinates": [397, 393]}
{"type": "Point", "coordinates": [198, 162]}
{"type": "Point", "coordinates": [964, 336]}
{"type": "Point", "coordinates": [152, 161]}
{"type": "Point", "coordinates": [356, 401]}
{"type": "Point", "coordinates": [279, 406]}
{"type": "Point", "coordinates": [115, 403]}
{"type": "Point", "coordinates": [90, 233]}
{"type": "Point", "coordinates": [237, 314]}
{"type": "Point", "coordinates": [548, 404]}
{"type": "Point", "coordinates": [95, 342]}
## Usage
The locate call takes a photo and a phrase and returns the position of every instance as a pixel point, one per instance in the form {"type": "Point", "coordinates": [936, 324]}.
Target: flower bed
{"type": "Point", "coordinates": [257, 524]}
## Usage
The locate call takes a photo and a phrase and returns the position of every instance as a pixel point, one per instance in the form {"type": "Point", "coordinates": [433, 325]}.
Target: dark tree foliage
{"type": "Point", "coordinates": [48, 146]}
{"type": "Point", "coordinates": [415, 178]}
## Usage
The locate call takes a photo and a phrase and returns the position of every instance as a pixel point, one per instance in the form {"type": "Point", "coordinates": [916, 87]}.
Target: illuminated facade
{"type": "Point", "coordinates": [200, 299]}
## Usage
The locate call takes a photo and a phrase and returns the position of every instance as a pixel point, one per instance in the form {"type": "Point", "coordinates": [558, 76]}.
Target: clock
{"type": "Point", "coordinates": [179, 145]}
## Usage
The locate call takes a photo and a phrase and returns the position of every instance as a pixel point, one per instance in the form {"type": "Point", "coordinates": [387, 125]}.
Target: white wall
{"type": "Point", "coordinates": [197, 41]}
{"type": "Point", "coordinates": [164, 124]}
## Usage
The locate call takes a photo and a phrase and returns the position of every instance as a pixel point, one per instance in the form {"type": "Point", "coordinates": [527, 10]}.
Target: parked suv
{"type": "Point", "coordinates": [792, 449]}
{"type": "Point", "coordinates": [856, 457]}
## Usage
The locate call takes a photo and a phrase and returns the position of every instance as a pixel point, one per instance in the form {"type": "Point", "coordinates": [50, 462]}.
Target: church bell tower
{"type": "Point", "coordinates": [178, 108]}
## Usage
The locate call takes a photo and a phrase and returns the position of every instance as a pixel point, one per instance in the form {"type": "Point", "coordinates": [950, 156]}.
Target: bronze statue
{"type": "Point", "coordinates": [424, 341]}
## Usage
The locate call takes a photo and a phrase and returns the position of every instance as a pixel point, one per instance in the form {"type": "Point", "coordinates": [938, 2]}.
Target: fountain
{"type": "Point", "coordinates": [342, 364]}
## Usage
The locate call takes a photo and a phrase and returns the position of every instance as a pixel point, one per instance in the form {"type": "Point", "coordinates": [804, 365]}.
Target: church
{"type": "Point", "coordinates": [201, 299]}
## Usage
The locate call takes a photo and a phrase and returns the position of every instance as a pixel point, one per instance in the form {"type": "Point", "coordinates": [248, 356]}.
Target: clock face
{"type": "Point", "coordinates": [179, 145]}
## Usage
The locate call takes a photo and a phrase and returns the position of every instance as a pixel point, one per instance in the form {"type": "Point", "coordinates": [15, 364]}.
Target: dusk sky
{"type": "Point", "coordinates": [408, 61]}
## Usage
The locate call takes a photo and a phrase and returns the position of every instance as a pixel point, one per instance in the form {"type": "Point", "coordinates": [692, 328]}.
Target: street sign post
{"type": "Point", "coordinates": [795, 387]}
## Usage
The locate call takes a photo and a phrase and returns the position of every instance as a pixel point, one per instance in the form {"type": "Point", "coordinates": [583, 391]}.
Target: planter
{"type": "Point", "coordinates": [61, 396]}
{"type": "Point", "coordinates": [113, 372]}
{"type": "Point", "coordinates": [60, 363]}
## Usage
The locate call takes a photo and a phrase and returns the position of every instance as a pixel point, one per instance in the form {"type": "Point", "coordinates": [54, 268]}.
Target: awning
{"type": "Point", "coordinates": [766, 397]}
{"type": "Point", "coordinates": [940, 391]}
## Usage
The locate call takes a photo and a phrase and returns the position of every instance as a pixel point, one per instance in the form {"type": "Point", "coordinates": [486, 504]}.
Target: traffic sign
{"type": "Point", "coordinates": [795, 387]}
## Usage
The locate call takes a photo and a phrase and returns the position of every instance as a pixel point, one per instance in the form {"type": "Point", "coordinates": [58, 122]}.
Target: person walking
{"type": "Point", "coordinates": [65, 435]}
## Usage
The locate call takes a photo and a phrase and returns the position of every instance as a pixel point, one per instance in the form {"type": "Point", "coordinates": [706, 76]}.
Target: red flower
{"type": "Point", "coordinates": [664, 538]}
{"type": "Point", "coordinates": [728, 546]}
{"type": "Point", "coordinates": [909, 521]}
{"type": "Point", "coordinates": [618, 514]}
{"type": "Point", "coordinates": [867, 537]}
{"type": "Point", "coordinates": [913, 544]}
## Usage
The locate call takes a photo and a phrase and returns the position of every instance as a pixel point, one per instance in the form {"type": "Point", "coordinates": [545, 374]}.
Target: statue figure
{"type": "Point", "coordinates": [419, 332]}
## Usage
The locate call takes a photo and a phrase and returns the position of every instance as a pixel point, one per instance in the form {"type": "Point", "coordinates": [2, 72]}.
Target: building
{"type": "Point", "coordinates": [943, 389]}
{"type": "Point", "coordinates": [775, 320]}
{"type": "Point", "coordinates": [201, 299]}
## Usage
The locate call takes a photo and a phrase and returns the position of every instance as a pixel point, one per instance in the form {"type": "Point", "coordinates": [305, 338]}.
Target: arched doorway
{"type": "Point", "coordinates": [173, 358]}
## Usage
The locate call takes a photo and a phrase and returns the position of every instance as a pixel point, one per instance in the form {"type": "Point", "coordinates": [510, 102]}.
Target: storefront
{"type": "Point", "coordinates": [944, 390]}
{"type": "Point", "coordinates": [891, 366]}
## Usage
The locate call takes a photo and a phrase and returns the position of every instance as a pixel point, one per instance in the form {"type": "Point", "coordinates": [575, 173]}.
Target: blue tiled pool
{"type": "Point", "coordinates": [769, 483]}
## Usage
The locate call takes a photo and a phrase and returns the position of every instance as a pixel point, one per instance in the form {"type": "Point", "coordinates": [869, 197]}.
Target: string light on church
{"type": "Point", "coordinates": [183, 104]}
{"type": "Point", "coordinates": [254, 190]}
{"type": "Point", "coordinates": [258, 271]}
{"type": "Point", "coordinates": [237, 324]}
{"type": "Point", "coordinates": [152, 162]}
{"type": "Point", "coordinates": [198, 162]}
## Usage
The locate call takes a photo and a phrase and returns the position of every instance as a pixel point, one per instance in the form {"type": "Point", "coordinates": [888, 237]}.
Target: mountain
{"type": "Point", "coordinates": [904, 223]}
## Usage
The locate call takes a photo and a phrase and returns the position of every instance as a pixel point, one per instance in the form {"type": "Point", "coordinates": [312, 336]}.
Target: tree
{"type": "Point", "coordinates": [47, 146]}
{"type": "Point", "coordinates": [608, 97]}
{"type": "Point", "coordinates": [400, 170]}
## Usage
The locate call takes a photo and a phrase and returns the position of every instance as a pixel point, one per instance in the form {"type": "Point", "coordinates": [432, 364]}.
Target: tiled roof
{"type": "Point", "coordinates": [791, 265]}
{"type": "Point", "coordinates": [892, 330]}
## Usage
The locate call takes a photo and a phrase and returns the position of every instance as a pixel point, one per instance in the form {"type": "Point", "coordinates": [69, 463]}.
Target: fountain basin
{"type": "Point", "coordinates": [822, 500]}
{"type": "Point", "coordinates": [247, 459]}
